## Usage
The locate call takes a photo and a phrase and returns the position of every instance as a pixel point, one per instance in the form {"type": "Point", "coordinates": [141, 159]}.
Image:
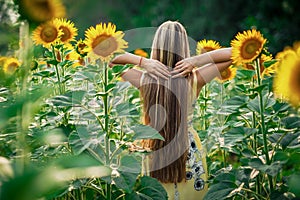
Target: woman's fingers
{"type": "Point", "coordinates": [182, 74]}
{"type": "Point", "coordinates": [179, 65]}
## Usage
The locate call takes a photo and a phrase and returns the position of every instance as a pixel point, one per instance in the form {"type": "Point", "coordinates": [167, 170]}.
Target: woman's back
{"type": "Point", "coordinates": [178, 161]}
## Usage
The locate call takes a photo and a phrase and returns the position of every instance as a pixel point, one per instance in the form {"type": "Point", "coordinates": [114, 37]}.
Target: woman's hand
{"type": "Point", "coordinates": [183, 68]}
{"type": "Point", "coordinates": [155, 68]}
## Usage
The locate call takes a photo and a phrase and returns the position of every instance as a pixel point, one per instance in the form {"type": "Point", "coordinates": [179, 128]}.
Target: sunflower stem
{"type": "Point", "coordinates": [262, 118]}
{"type": "Point", "coordinates": [106, 127]}
{"type": "Point", "coordinates": [57, 71]}
{"type": "Point", "coordinates": [255, 142]}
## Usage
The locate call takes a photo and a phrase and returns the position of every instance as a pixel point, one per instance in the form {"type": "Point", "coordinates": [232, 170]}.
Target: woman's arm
{"type": "Point", "coordinates": [186, 66]}
{"type": "Point", "coordinates": [153, 67]}
{"type": "Point", "coordinates": [208, 72]}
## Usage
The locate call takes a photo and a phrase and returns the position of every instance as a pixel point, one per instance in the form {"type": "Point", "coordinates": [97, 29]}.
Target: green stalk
{"type": "Point", "coordinates": [57, 71]}
{"type": "Point", "coordinates": [223, 152]}
{"type": "Point", "coordinates": [205, 106]}
{"type": "Point", "coordinates": [262, 118]}
{"type": "Point", "coordinates": [106, 127]}
{"type": "Point", "coordinates": [255, 143]}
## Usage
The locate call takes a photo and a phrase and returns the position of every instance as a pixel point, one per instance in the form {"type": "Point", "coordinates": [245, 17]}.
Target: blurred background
{"type": "Point", "coordinates": [219, 20]}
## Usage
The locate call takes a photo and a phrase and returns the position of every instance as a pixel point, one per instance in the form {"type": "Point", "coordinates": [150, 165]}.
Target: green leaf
{"type": "Point", "coordinates": [81, 140]}
{"type": "Point", "coordinates": [126, 109]}
{"type": "Point", "coordinates": [245, 74]}
{"type": "Point", "coordinates": [36, 181]}
{"type": "Point", "coordinates": [11, 109]}
{"type": "Point", "coordinates": [281, 107]}
{"type": "Point", "coordinates": [45, 73]}
{"type": "Point", "coordinates": [269, 63]}
{"type": "Point", "coordinates": [273, 169]}
{"type": "Point", "coordinates": [291, 122]}
{"type": "Point", "coordinates": [232, 105]}
{"type": "Point", "coordinates": [121, 87]}
{"type": "Point", "coordinates": [220, 191]}
{"type": "Point", "coordinates": [293, 183]}
{"type": "Point", "coordinates": [129, 164]}
{"type": "Point", "coordinates": [145, 132]}
{"type": "Point", "coordinates": [237, 134]}
{"type": "Point", "coordinates": [126, 181]}
{"type": "Point", "coordinates": [289, 139]}
{"type": "Point", "coordinates": [253, 105]}
{"type": "Point", "coordinates": [147, 188]}
{"type": "Point", "coordinates": [52, 62]}
{"type": "Point", "coordinates": [69, 99]}
{"type": "Point", "coordinates": [85, 75]}
{"type": "Point", "coordinates": [110, 87]}
{"type": "Point", "coordinates": [128, 171]}
{"type": "Point", "coordinates": [118, 69]}
{"type": "Point", "coordinates": [258, 88]}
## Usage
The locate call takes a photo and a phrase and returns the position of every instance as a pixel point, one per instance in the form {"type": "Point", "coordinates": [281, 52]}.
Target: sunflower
{"type": "Point", "coordinates": [41, 10]}
{"type": "Point", "coordinates": [247, 46]}
{"type": "Point", "coordinates": [81, 48]}
{"type": "Point", "coordinates": [69, 32]}
{"type": "Point", "coordinates": [287, 79]}
{"type": "Point", "coordinates": [227, 74]}
{"type": "Point", "coordinates": [207, 45]}
{"type": "Point", "coordinates": [46, 34]}
{"type": "Point", "coordinates": [75, 58]}
{"type": "Point", "coordinates": [141, 52]}
{"type": "Point", "coordinates": [263, 70]}
{"type": "Point", "coordinates": [103, 41]}
{"type": "Point", "coordinates": [2, 60]}
{"type": "Point", "coordinates": [266, 71]}
{"type": "Point", "coordinates": [10, 65]}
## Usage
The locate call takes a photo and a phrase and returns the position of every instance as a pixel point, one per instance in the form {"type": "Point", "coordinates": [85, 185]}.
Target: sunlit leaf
{"type": "Point", "coordinates": [147, 188]}
{"type": "Point", "coordinates": [220, 191]}
{"type": "Point", "coordinates": [269, 63]}
{"type": "Point", "coordinates": [69, 99]}
{"type": "Point", "coordinates": [145, 132]}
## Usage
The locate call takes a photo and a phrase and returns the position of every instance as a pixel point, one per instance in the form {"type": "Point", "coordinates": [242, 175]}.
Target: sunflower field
{"type": "Point", "coordinates": [68, 122]}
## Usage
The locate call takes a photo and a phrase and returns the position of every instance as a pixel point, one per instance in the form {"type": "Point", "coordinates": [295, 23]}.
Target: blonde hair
{"type": "Point", "coordinates": [165, 105]}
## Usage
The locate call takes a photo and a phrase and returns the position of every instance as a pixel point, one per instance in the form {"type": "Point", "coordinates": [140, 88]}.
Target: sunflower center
{"type": "Point", "coordinates": [207, 49]}
{"type": "Point", "coordinates": [66, 33]}
{"type": "Point", "coordinates": [43, 10]}
{"type": "Point", "coordinates": [250, 48]}
{"type": "Point", "coordinates": [295, 78]}
{"type": "Point", "coordinates": [49, 34]}
{"type": "Point", "coordinates": [42, 4]}
{"type": "Point", "coordinates": [80, 47]}
{"type": "Point", "coordinates": [11, 67]}
{"type": "Point", "coordinates": [225, 73]}
{"type": "Point", "coordinates": [104, 45]}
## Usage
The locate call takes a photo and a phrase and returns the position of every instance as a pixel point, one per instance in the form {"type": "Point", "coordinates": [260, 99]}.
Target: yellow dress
{"type": "Point", "coordinates": [195, 186]}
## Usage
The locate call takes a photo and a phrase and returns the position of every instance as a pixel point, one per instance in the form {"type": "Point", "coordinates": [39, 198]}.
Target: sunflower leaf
{"type": "Point", "coordinates": [269, 63]}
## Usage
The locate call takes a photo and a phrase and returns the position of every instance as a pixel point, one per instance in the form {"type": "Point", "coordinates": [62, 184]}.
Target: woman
{"type": "Point", "coordinates": [169, 88]}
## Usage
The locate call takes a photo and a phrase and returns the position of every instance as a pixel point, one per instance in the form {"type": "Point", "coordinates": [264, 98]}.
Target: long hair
{"type": "Point", "coordinates": [165, 105]}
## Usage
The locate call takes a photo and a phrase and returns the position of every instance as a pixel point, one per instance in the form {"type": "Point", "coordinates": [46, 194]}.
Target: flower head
{"type": "Point", "coordinates": [207, 45]}
{"type": "Point", "coordinates": [227, 74]}
{"type": "Point", "coordinates": [42, 10]}
{"type": "Point", "coordinates": [10, 65]}
{"type": "Point", "coordinates": [81, 48]}
{"type": "Point", "coordinates": [287, 79]}
{"type": "Point", "coordinates": [69, 32]}
{"type": "Point", "coordinates": [247, 46]}
{"type": "Point", "coordinates": [46, 34]}
{"type": "Point", "coordinates": [264, 71]}
{"type": "Point", "coordinates": [103, 41]}
{"type": "Point", "coordinates": [141, 52]}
